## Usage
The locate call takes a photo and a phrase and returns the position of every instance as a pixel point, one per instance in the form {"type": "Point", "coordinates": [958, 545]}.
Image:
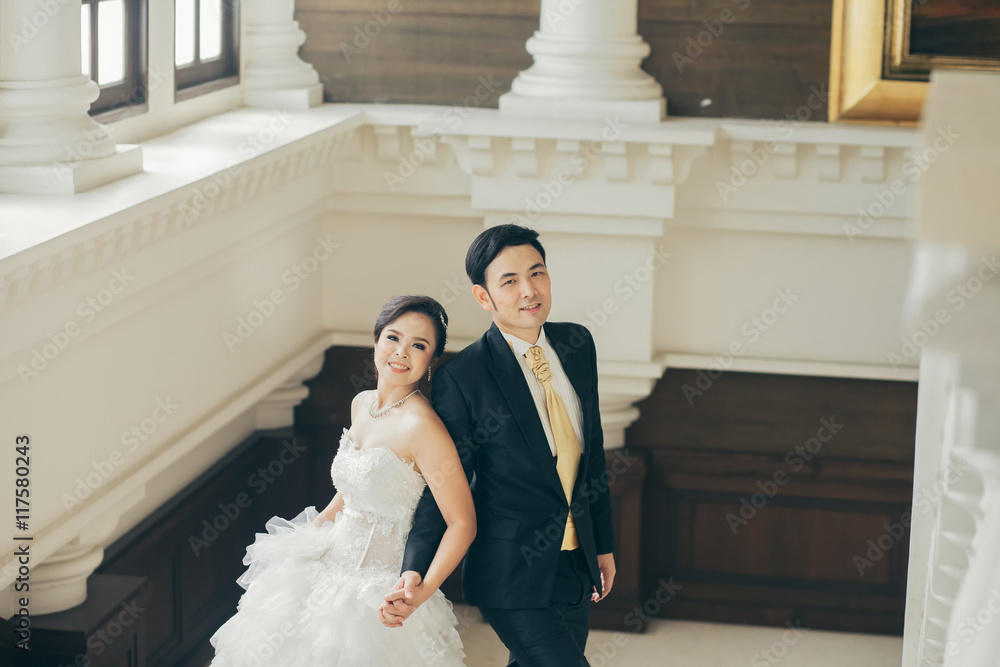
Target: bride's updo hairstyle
{"type": "Point", "coordinates": [415, 303]}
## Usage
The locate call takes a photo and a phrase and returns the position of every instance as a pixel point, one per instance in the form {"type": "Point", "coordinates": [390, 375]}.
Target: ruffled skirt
{"type": "Point", "coordinates": [300, 611]}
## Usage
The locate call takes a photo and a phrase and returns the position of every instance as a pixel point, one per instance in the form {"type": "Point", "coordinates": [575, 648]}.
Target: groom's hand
{"type": "Point", "coordinates": [606, 564]}
{"type": "Point", "coordinates": [400, 602]}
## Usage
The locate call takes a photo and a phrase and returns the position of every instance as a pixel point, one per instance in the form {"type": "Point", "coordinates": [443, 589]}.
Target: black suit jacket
{"type": "Point", "coordinates": [483, 399]}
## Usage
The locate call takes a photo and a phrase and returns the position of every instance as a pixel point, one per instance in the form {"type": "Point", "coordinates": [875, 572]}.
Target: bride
{"type": "Point", "coordinates": [315, 584]}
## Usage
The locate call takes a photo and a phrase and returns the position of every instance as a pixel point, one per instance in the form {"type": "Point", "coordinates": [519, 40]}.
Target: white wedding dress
{"type": "Point", "coordinates": [313, 592]}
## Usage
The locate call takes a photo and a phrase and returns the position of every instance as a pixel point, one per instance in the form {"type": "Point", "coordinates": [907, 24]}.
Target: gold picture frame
{"type": "Point", "coordinates": [874, 77]}
{"type": "Point", "coordinates": [858, 91]}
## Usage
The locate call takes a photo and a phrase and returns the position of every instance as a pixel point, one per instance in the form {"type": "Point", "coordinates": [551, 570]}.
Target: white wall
{"type": "Point", "coordinates": [324, 176]}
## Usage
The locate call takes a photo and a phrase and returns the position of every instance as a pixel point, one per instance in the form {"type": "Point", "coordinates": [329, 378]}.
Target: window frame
{"type": "Point", "coordinates": [199, 77]}
{"type": "Point", "coordinates": [130, 96]}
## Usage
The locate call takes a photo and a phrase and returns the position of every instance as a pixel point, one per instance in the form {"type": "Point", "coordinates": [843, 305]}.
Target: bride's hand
{"type": "Point", "coordinates": [403, 600]}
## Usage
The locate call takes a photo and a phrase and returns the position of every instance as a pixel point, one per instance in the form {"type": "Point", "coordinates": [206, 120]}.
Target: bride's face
{"type": "Point", "coordinates": [405, 348]}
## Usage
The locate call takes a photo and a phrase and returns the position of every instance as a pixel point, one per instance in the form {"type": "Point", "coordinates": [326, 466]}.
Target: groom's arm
{"type": "Point", "coordinates": [428, 523]}
{"type": "Point", "coordinates": [598, 494]}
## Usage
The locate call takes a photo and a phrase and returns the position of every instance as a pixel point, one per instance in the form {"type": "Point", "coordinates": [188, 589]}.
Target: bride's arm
{"type": "Point", "coordinates": [328, 514]}
{"type": "Point", "coordinates": [436, 457]}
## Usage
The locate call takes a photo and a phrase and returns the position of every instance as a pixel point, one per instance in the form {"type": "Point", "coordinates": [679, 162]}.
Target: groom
{"type": "Point", "coordinates": [521, 405]}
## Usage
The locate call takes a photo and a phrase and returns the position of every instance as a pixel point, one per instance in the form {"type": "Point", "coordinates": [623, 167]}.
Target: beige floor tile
{"type": "Point", "coordinates": [694, 644]}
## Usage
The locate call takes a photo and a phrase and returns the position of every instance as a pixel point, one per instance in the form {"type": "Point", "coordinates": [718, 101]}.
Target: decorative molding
{"type": "Point", "coordinates": [720, 364]}
{"type": "Point", "coordinates": [277, 409]}
{"type": "Point", "coordinates": [168, 215]}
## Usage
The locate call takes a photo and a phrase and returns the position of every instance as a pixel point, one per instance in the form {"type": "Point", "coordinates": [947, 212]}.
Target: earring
{"type": "Point", "coordinates": [428, 373]}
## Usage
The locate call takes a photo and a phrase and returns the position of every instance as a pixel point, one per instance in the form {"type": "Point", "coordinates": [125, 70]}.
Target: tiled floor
{"type": "Point", "coordinates": [694, 644]}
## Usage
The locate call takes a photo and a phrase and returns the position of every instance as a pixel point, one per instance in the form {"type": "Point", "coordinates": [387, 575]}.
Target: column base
{"type": "Point", "coordinates": [288, 98]}
{"type": "Point", "coordinates": [637, 111]}
{"type": "Point", "coordinates": [67, 178]}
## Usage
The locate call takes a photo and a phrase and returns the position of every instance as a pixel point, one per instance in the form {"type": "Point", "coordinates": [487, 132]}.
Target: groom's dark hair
{"type": "Point", "coordinates": [491, 243]}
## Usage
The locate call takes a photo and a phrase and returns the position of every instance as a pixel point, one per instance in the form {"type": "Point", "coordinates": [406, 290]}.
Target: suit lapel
{"type": "Point", "coordinates": [510, 378]}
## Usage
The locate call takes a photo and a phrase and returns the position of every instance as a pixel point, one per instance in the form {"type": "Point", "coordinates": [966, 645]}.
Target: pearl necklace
{"type": "Point", "coordinates": [385, 410]}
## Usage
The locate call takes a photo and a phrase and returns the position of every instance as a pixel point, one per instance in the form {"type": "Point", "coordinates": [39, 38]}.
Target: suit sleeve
{"type": "Point", "coordinates": [428, 523]}
{"type": "Point", "coordinates": [598, 494]}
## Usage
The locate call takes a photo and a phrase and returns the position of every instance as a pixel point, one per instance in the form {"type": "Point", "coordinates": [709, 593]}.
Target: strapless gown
{"type": "Point", "coordinates": [313, 592]}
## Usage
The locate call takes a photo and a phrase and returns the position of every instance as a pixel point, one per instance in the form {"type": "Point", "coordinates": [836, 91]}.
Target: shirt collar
{"type": "Point", "coordinates": [520, 346]}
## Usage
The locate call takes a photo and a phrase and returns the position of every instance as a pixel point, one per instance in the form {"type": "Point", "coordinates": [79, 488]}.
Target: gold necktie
{"type": "Point", "coordinates": [567, 444]}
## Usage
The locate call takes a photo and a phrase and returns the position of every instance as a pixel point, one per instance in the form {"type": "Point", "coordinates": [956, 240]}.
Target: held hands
{"type": "Point", "coordinates": [403, 600]}
{"type": "Point", "coordinates": [606, 564]}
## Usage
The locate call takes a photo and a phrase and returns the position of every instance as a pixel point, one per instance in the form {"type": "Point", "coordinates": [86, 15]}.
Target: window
{"type": "Point", "coordinates": [206, 45]}
{"type": "Point", "coordinates": [113, 53]}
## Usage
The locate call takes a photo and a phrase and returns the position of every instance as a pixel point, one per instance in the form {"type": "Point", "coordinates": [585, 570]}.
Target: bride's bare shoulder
{"type": "Point", "coordinates": [423, 423]}
{"type": "Point", "coordinates": [359, 401]}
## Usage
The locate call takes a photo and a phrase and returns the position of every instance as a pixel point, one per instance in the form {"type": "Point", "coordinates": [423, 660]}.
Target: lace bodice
{"type": "Point", "coordinates": [381, 492]}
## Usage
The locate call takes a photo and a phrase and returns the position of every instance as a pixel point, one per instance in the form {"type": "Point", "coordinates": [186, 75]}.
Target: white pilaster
{"type": "Point", "coordinates": [275, 76]}
{"type": "Point", "coordinates": [48, 142]}
{"type": "Point", "coordinates": [587, 55]}
{"type": "Point", "coordinates": [954, 297]}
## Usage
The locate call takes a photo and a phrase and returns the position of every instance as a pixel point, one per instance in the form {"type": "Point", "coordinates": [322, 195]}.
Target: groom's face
{"type": "Point", "coordinates": [517, 291]}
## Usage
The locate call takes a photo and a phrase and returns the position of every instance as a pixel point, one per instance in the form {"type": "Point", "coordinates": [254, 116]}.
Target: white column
{"type": "Point", "coordinates": [48, 142]}
{"type": "Point", "coordinates": [275, 76]}
{"type": "Point", "coordinates": [953, 585]}
{"type": "Point", "coordinates": [587, 55]}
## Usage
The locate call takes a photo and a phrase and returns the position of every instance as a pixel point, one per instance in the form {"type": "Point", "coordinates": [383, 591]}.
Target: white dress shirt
{"type": "Point", "coordinates": [560, 383]}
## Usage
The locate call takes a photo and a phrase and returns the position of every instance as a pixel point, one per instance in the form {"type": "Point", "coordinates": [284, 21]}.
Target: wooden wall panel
{"type": "Point", "coordinates": [748, 71]}
{"type": "Point", "coordinates": [755, 527]}
{"type": "Point", "coordinates": [764, 413]}
{"type": "Point", "coordinates": [417, 58]}
{"type": "Point", "coordinates": [816, 13]}
{"type": "Point", "coordinates": [193, 587]}
{"type": "Point", "coordinates": [763, 63]}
